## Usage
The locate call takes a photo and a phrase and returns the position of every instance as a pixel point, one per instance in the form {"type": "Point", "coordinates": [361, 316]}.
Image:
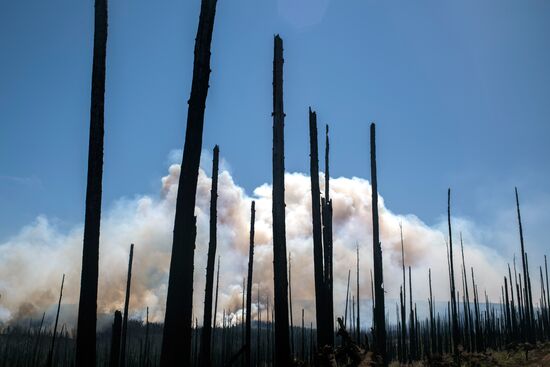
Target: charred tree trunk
{"type": "Point", "coordinates": [115, 340]}
{"type": "Point", "coordinates": [206, 334]}
{"type": "Point", "coordinates": [176, 341]}
{"type": "Point", "coordinates": [248, 352]}
{"type": "Point", "coordinates": [379, 308]}
{"type": "Point", "coordinates": [320, 301]}
{"type": "Point", "coordinates": [456, 333]}
{"type": "Point", "coordinates": [126, 304]}
{"type": "Point", "coordinates": [358, 324]}
{"type": "Point", "coordinates": [50, 354]}
{"type": "Point", "coordinates": [403, 303]}
{"type": "Point", "coordinates": [87, 305]}
{"type": "Point", "coordinates": [326, 203]}
{"type": "Point", "coordinates": [282, 347]}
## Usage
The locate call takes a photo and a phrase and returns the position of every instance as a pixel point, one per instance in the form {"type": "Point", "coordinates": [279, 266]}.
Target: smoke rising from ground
{"type": "Point", "coordinates": [33, 261]}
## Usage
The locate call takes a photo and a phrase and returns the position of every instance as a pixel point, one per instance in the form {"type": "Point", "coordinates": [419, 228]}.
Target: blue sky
{"type": "Point", "coordinates": [460, 93]}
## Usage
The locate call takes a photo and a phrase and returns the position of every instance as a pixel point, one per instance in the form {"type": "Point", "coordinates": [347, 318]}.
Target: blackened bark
{"type": "Point", "coordinates": [320, 289]}
{"type": "Point", "coordinates": [176, 341]}
{"type": "Point", "coordinates": [248, 340]}
{"type": "Point", "coordinates": [327, 247]}
{"type": "Point", "coordinates": [454, 316]}
{"type": "Point", "coordinates": [50, 354]}
{"type": "Point", "coordinates": [379, 310]}
{"type": "Point", "coordinates": [206, 335]}
{"type": "Point", "coordinates": [115, 340]}
{"type": "Point", "coordinates": [126, 304]}
{"type": "Point", "coordinates": [358, 325]}
{"type": "Point", "coordinates": [87, 305]}
{"type": "Point", "coordinates": [282, 343]}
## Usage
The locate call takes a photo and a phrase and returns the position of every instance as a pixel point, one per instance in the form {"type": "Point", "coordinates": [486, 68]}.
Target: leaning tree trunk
{"type": "Point", "coordinates": [379, 313]}
{"type": "Point", "coordinates": [52, 347]}
{"type": "Point", "coordinates": [206, 335]}
{"type": "Point", "coordinates": [87, 305]}
{"type": "Point", "coordinates": [248, 352]}
{"type": "Point", "coordinates": [176, 341]}
{"type": "Point", "coordinates": [282, 347]}
{"type": "Point", "coordinates": [320, 289]}
{"type": "Point", "coordinates": [126, 304]}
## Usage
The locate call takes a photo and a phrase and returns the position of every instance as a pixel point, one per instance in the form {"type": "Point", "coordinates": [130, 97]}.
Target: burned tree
{"type": "Point", "coordinates": [320, 289]}
{"type": "Point", "coordinates": [282, 347]}
{"type": "Point", "coordinates": [379, 313]}
{"type": "Point", "coordinates": [326, 204]}
{"type": "Point", "coordinates": [87, 305]}
{"type": "Point", "coordinates": [454, 316]}
{"type": "Point", "coordinates": [176, 341]}
{"type": "Point", "coordinates": [52, 347]}
{"type": "Point", "coordinates": [115, 340]}
{"type": "Point", "coordinates": [126, 304]}
{"type": "Point", "coordinates": [206, 335]}
{"type": "Point", "coordinates": [247, 343]}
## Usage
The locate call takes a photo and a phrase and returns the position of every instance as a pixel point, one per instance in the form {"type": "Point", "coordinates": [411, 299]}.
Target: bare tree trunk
{"type": "Point", "coordinates": [176, 341]}
{"type": "Point", "coordinates": [320, 289]}
{"type": "Point", "coordinates": [326, 204]}
{"type": "Point", "coordinates": [404, 302]}
{"type": "Point", "coordinates": [379, 308]}
{"type": "Point", "coordinates": [290, 305]}
{"type": "Point", "coordinates": [50, 354]}
{"type": "Point", "coordinates": [248, 352]}
{"type": "Point", "coordinates": [126, 304]}
{"type": "Point", "coordinates": [456, 333]}
{"type": "Point", "coordinates": [282, 347]}
{"type": "Point", "coordinates": [87, 305]}
{"type": "Point", "coordinates": [206, 334]}
{"type": "Point", "coordinates": [358, 325]}
{"type": "Point", "coordinates": [115, 340]}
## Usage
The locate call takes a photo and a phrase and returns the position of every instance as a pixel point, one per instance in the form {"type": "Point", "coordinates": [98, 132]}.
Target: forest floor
{"type": "Point", "coordinates": [539, 356]}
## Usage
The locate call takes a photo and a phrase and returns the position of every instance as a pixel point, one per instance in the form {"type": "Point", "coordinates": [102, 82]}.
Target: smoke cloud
{"type": "Point", "coordinates": [33, 261]}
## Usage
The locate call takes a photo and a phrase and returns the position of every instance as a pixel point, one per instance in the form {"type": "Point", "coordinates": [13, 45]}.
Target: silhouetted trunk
{"type": "Point", "coordinates": [248, 352]}
{"type": "Point", "coordinates": [115, 340]}
{"type": "Point", "coordinates": [456, 333]}
{"type": "Point", "coordinates": [282, 347]}
{"type": "Point", "coordinates": [290, 305]}
{"type": "Point", "coordinates": [320, 289]}
{"type": "Point", "coordinates": [217, 291]}
{"type": "Point", "coordinates": [358, 324]}
{"type": "Point", "coordinates": [87, 305]}
{"type": "Point", "coordinates": [379, 310]}
{"type": "Point", "coordinates": [176, 341]}
{"type": "Point", "coordinates": [206, 334]}
{"type": "Point", "coordinates": [326, 204]}
{"type": "Point", "coordinates": [126, 304]}
{"type": "Point", "coordinates": [404, 301]}
{"type": "Point", "coordinates": [347, 299]}
{"type": "Point", "coordinates": [50, 354]}
{"type": "Point", "coordinates": [527, 307]}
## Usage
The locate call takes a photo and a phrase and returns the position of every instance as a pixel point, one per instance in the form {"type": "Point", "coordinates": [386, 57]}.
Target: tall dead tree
{"type": "Point", "coordinates": [358, 328]}
{"type": "Point", "coordinates": [52, 347]}
{"type": "Point", "coordinates": [176, 341]}
{"type": "Point", "coordinates": [379, 310]}
{"type": "Point", "coordinates": [217, 290]}
{"type": "Point", "coordinates": [248, 345]}
{"type": "Point", "coordinates": [87, 305]}
{"type": "Point", "coordinates": [403, 302]}
{"type": "Point", "coordinates": [282, 347]}
{"type": "Point", "coordinates": [126, 304]}
{"type": "Point", "coordinates": [320, 289]}
{"type": "Point", "coordinates": [326, 204]}
{"type": "Point", "coordinates": [290, 305]}
{"type": "Point", "coordinates": [206, 335]}
{"type": "Point", "coordinates": [528, 305]}
{"type": "Point", "coordinates": [454, 315]}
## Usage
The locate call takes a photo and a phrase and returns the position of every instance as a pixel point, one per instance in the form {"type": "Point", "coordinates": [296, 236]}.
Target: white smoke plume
{"type": "Point", "coordinates": [32, 262]}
